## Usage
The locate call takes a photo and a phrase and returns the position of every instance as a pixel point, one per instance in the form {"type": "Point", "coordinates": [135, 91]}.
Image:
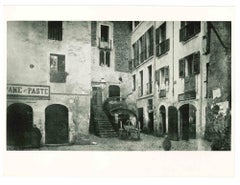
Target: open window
{"type": "Point", "coordinates": [57, 68]}
{"type": "Point", "coordinates": [162, 43]}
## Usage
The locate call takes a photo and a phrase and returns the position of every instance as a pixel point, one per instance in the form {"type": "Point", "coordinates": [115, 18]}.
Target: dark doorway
{"type": "Point", "coordinates": [140, 117]}
{"type": "Point", "coordinates": [188, 121]}
{"type": "Point", "coordinates": [19, 124]}
{"type": "Point", "coordinates": [96, 96]}
{"type": "Point", "coordinates": [173, 123]}
{"type": "Point", "coordinates": [114, 91]}
{"type": "Point", "coordinates": [56, 125]}
{"type": "Point", "coordinates": [162, 124]}
{"type": "Point", "coordinates": [150, 123]}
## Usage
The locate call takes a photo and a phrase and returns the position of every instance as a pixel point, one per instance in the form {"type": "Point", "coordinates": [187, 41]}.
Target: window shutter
{"type": "Point", "coordinates": [108, 58]}
{"type": "Point", "coordinates": [144, 46]}
{"type": "Point", "coordinates": [157, 35]}
{"type": "Point", "coordinates": [137, 52]}
{"type": "Point", "coordinates": [196, 60]}
{"type": "Point", "coordinates": [163, 31]}
{"type": "Point", "coordinates": [166, 72]}
{"type": "Point", "coordinates": [151, 41]}
{"type": "Point", "coordinates": [157, 73]}
{"type": "Point", "coordinates": [182, 68]}
{"type": "Point", "coordinates": [101, 58]}
{"type": "Point", "coordinates": [61, 63]}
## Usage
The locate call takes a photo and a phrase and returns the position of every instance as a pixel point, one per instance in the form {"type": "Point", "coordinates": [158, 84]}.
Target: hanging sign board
{"type": "Point", "coordinates": [28, 91]}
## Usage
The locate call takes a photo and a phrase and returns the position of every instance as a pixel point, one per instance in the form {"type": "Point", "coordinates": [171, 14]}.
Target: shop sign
{"type": "Point", "coordinates": [28, 91]}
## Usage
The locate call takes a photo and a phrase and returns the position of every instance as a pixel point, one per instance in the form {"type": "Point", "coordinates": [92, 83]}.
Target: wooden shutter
{"type": "Point", "coordinates": [166, 73]}
{"type": "Point", "coordinates": [163, 31]}
{"type": "Point", "coordinates": [182, 68]}
{"type": "Point", "coordinates": [108, 58]}
{"type": "Point", "coordinates": [61, 63]}
{"type": "Point", "coordinates": [101, 58]}
{"type": "Point", "coordinates": [157, 79]}
{"type": "Point", "coordinates": [157, 35]}
{"type": "Point", "coordinates": [151, 41]}
{"type": "Point", "coordinates": [144, 46]}
{"type": "Point", "coordinates": [196, 62]}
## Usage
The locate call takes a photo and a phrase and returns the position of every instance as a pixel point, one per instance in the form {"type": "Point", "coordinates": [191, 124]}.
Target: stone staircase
{"type": "Point", "coordinates": [103, 127]}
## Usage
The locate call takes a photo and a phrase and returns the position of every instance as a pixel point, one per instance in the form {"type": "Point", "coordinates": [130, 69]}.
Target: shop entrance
{"type": "Point", "coordinates": [56, 125]}
{"type": "Point", "coordinates": [173, 123]}
{"type": "Point", "coordinates": [188, 121]}
{"type": "Point", "coordinates": [19, 124]}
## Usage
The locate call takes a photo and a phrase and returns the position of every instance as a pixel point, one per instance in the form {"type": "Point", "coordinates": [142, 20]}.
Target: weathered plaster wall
{"type": "Point", "coordinates": [220, 61]}
{"type": "Point", "coordinates": [28, 44]}
{"type": "Point", "coordinates": [122, 44]}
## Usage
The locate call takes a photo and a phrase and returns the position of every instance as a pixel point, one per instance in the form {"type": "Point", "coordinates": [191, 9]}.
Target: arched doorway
{"type": "Point", "coordinates": [19, 124]}
{"type": "Point", "coordinates": [173, 123]}
{"type": "Point", "coordinates": [188, 121]}
{"type": "Point", "coordinates": [162, 113]}
{"type": "Point", "coordinates": [114, 90]}
{"type": "Point", "coordinates": [56, 125]}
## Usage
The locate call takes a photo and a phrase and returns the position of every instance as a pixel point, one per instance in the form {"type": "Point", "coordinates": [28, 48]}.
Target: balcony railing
{"type": "Point", "coordinates": [140, 91]}
{"type": "Point", "coordinates": [104, 44]}
{"type": "Point", "coordinates": [187, 96]}
{"type": "Point", "coordinates": [162, 47]}
{"type": "Point", "coordinates": [149, 88]}
{"type": "Point", "coordinates": [189, 30]}
{"type": "Point", "coordinates": [162, 93]}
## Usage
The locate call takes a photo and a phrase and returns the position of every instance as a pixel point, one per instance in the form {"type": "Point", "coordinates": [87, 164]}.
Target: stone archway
{"type": "Point", "coordinates": [56, 124]}
{"type": "Point", "coordinates": [19, 124]}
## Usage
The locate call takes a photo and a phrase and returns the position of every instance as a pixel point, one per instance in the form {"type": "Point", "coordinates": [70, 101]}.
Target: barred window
{"type": "Point", "coordinates": [55, 30]}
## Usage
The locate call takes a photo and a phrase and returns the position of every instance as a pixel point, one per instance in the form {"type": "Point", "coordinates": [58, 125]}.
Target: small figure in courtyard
{"type": "Point", "coordinates": [166, 143]}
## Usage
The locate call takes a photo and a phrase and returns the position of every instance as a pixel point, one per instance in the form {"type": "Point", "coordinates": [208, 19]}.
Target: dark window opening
{"type": "Point", "coordinates": [114, 91]}
{"type": "Point", "coordinates": [189, 29]}
{"type": "Point", "coordinates": [55, 30]}
{"type": "Point", "coordinates": [140, 91]}
{"type": "Point", "coordinates": [104, 33]}
{"type": "Point", "coordinates": [57, 68]}
{"type": "Point", "coordinates": [134, 82]}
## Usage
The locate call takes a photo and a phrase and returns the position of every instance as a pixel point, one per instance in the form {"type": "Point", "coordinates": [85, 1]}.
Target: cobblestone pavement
{"type": "Point", "coordinates": [146, 143]}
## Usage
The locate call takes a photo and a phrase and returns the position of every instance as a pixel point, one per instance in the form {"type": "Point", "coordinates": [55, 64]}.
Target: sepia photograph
{"type": "Point", "coordinates": [115, 85]}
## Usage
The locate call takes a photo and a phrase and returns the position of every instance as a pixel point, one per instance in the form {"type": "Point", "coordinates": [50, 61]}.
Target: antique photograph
{"type": "Point", "coordinates": [118, 85]}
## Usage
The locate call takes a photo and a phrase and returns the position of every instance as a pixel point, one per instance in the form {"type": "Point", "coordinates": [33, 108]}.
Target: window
{"type": "Point", "coordinates": [189, 65]}
{"type": "Point", "coordinates": [143, 48]}
{"type": "Point", "coordinates": [104, 33]}
{"type": "Point", "coordinates": [104, 58]}
{"type": "Point", "coordinates": [134, 82]}
{"type": "Point", "coordinates": [162, 44]}
{"type": "Point", "coordinates": [55, 30]}
{"type": "Point", "coordinates": [189, 29]}
{"type": "Point", "coordinates": [57, 68]}
{"type": "Point", "coordinates": [163, 81]}
{"type": "Point", "coordinates": [150, 104]}
{"type": "Point", "coordinates": [140, 90]}
{"type": "Point", "coordinates": [149, 84]}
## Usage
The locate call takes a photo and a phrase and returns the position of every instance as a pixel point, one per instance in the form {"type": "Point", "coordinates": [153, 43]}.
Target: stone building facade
{"type": "Point", "coordinates": [171, 83]}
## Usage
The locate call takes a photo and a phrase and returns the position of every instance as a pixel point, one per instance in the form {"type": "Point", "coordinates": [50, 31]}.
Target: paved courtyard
{"type": "Point", "coordinates": [146, 143]}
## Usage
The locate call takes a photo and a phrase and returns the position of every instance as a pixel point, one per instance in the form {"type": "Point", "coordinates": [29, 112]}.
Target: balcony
{"type": "Point", "coordinates": [189, 30]}
{"type": "Point", "coordinates": [162, 93]}
{"type": "Point", "coordinates": [162, 47]}
{"type": "Point", "coordinates": [187, 96]}
{"type": "Point", "coordinates": [105, 44]}
{"type": "Point", "coordinates": [149, 88]}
